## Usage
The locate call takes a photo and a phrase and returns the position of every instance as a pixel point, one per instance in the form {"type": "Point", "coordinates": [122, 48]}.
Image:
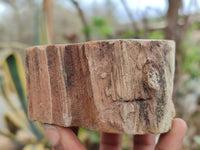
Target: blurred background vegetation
{"type": "Point", "coordinates": [24, 23]}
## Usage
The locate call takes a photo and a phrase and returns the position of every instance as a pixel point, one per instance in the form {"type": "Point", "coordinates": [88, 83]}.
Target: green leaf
{"type": "Point", "coordinates": [13, 65]}
{"type": "Point", "coordinates": [156, 35]}
{"type": "Point", "coordinates": [101, 26]}
{"type": "Point", "coordinates": [128, 34]}
{"type": "Point", "coordinates": [99, 22]}
{"type": "Point", "coordinates": [87, 30]}
{"type": "Point", "coordinates": [191, 62]}
{"type": "Point", "coordinates": [106, 31]}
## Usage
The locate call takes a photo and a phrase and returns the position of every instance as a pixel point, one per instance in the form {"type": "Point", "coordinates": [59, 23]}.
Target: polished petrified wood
{"type": "Point", "coordinates": [119, 86]}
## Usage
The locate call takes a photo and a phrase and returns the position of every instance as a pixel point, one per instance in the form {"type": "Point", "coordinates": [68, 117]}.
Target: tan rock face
{"type": "Point", "coordinates": [120, 86]}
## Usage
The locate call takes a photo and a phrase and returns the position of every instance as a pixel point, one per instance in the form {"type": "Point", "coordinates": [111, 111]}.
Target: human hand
{"type": "Point", "coordinates": [66, 139]}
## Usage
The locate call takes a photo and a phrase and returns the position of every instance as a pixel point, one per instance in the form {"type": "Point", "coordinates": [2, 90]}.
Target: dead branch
{"type": "Point", "coordinates": [175, 31]}
{"type": "Point", "coordinates": [134, 25]}
{"type": "Point", "coordinates": [83, 19]}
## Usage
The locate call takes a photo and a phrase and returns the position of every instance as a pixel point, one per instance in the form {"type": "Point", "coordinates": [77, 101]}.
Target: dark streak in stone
{"type": "Point", "coordinates": [101, 53]}
{"type": "Point", "coordinates": [158, 44]}
{"type": "Point", "coordinates": [142, 99]}
{"type": "Point", "coordinates": [27, 68]}
{"type": "Point", "coordinates": [161, 101]}
{"type": "Point", "coordinates": [151, 48]}
{"type": "Point", "coordinates": [36, 60]}
{"type": "Point", "coordinates": [138, 45]}
{"type": "Point", "coordinates": [144, 87]}
{"type": "Point", "coordinates": [143, 111]}
{"type": "Point", "coordinates": [68, 65]}
{"type": "Point", "coordinates": [109, 83]}
{"type": "Point", "coordinates": [27, 61]}
{"type": "Point", "coordinates": [132, 100]}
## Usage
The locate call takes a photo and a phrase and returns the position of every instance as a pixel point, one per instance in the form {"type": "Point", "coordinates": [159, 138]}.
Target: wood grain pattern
{"type": "Point", "coordinates": [118, 86]}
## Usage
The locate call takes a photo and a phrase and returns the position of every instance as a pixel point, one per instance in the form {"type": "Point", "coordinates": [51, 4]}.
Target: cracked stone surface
{"type": "Point", "coordinates": [117, 86]}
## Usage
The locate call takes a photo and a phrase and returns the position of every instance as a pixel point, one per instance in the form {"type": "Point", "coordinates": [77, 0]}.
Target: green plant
{"type": "Point", "coordinates": [12, 82]}
{"type": "Point", "coordinates": [156, 35]}
{"type": "Point", "coordinates": [101, 26]}
{"type": "Point", "coordinates": [191, 59]}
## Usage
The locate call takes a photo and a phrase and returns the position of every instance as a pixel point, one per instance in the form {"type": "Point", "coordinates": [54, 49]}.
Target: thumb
{"type": "Point", "coordinates": [174, 138]}
{"type": "Point", "coordinates": [63, 138]}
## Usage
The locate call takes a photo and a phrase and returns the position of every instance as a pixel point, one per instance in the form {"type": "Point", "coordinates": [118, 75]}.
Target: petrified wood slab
{"type": "Point", "coordinates": [120, 86]}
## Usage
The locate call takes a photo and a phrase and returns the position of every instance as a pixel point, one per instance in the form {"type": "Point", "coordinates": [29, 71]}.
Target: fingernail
{"type": "Point", "coordinates": [52, 134]}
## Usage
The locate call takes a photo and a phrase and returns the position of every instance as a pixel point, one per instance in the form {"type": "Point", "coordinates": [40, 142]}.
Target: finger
{"type": "Point", "coordinates": [174, 138]}
{"type": "Point", "coordinates": [110, 141]}
{"type": "Point", "coordinates": [144, 142]}
{"type": "Point", "coordinates": [63, 138]}
{"type": "Point", "coordinates": [69, 140]}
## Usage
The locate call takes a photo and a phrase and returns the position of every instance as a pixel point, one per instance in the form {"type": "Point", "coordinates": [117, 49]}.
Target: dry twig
{"type": "Point", "coordinates": [128, 11]}
{"type": "Point", "coordinates": [83, 19]}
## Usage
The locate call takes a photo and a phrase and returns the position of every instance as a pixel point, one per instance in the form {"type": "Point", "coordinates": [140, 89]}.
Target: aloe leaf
{"type": "Point", "coordinates": [17, 75]}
